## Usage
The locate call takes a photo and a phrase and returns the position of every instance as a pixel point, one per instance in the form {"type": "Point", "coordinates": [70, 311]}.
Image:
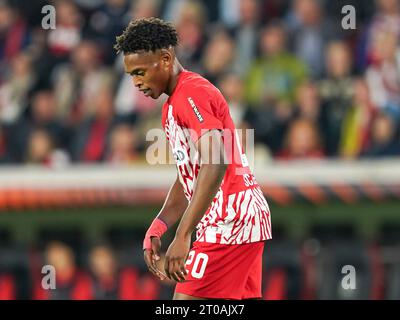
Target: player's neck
{"type": "Point", "coordinates": [177, 69]}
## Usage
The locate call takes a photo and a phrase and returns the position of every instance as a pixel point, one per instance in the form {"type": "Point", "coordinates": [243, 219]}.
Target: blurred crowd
{"type": "Point", "coordinates": [58, 273]}
{"type": "Point", "coordinates": [63, 264]}
{"type": "Point", "coordinates": [287, 68]}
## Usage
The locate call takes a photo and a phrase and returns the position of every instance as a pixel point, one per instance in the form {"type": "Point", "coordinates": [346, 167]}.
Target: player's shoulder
{"type": "Point", "coordinates": [195, 85]}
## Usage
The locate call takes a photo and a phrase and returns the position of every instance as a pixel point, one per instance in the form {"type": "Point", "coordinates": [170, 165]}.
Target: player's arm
{"type": "Point", "coordinates": [172, 210]}
{"type": "Point", "coordinates": [211, 173]}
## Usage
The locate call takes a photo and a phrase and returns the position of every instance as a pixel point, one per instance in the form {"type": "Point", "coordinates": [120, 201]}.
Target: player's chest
{"type": "Point", "coordinates": [182, 146]}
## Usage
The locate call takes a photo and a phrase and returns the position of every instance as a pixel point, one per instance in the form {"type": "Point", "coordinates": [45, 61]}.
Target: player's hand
{"type": "Point", "coordinates": [151, 256]}
{"type": "Point", "coordinates": [175, 259]}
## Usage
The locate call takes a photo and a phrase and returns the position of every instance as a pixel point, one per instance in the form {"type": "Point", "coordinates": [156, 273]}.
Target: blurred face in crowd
{"type": "Point", "coordinates": [104, 104]}
{"type": "Point", "coordinates": [102, 262]}
{"type": "Point", "coordinates": [248, 11]}
{"type": "Point", "coordinates": [7, 17]}
{"type": "Point", "coordinates": [273, 40]}
{"type": "Point", "coordinates": [308, 11]}
{"type": "Point", "coordinates": [67, 14]}
{"type": "Point", "coordinates": [122, 141]}
{"type": "Point", "coordinates": [383, 130]}
{"type": "Point", "coordinates": [338, 60]}
{"type": "Point", "coordinates": [61, 257]}
{"type": "Point", "coordinates": [388, 6]}
{"type": "Point", "coordinates": [308, 101]}
{"type": "Point", "coordinates": [150, 71]}
{"type": "Point", "coordinates": [232, 88]}
{"type": "Point", "coordinates": [21, 65]}
{"type": "Point", "coordinates": [85, 56]}
{"type": "Point", "coordinates": [302, 138]}
{"type": "Point", "coordinates": [385, 46]}
{"type": "Point", "coordinates": [44, 106]}
{"type": "Point", "coordinates": [190, 25]}
{"type": "Point", "coordinates": [143, 9]}
{"type": "Point", "coordinates": [40, 146]}
{"type": "Point", "coordinates": [219, 53]}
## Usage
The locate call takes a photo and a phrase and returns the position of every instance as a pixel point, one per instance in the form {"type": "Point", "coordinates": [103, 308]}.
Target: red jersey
{"type": "Point", "coordinates": [239, 212]}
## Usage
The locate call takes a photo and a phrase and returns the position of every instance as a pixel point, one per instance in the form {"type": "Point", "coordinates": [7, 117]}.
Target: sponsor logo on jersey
{"type": "Point", "coordinates": [196, 110]}
{"type": "Point", "coordinates": [180, 156]}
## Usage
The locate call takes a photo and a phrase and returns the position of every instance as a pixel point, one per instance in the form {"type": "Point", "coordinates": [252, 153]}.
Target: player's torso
{"type": "Point", "coordinates": [239, 196]}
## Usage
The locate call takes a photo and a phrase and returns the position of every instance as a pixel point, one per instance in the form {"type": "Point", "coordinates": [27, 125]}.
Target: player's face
{"type": "Point", "coordinates": [149, 71]}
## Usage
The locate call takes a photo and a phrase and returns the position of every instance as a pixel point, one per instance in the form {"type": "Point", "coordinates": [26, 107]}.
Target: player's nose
{"type": "Point", "coordinates": [137, 82]}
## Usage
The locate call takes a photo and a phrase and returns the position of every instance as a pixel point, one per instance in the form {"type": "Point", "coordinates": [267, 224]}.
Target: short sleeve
{"type": "Point", "coordinates": [198, 112]}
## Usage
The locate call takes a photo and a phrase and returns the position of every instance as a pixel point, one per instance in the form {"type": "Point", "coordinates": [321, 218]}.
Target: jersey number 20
{"type": "Point", "coordinates": [199, 263]}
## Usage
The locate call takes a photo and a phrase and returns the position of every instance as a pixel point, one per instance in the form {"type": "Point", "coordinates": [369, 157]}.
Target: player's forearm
{"type": "Point", "coordinates": [174, 206]}
{"type": "Point", "coordinates": [207, 185]}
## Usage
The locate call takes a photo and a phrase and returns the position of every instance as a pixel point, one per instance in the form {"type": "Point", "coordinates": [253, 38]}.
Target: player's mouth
{"type": "Point", "coordinates": [146, 92]}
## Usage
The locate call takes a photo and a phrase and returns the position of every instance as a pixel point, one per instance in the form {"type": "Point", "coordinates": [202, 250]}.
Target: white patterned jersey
{"type": "Point", "coordinates": [239, 212]}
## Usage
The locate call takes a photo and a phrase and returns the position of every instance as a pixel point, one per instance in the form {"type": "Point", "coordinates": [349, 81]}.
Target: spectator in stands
{"type": "Point", "coordinates": [40, 147]}
{"type": "Point", "coordinates": [190, 25]}
{"type": "Point", "coordinates": [170, 9]}
{"type": "Point", "coordinates": [308, 104]}
{"type": "Point", "coordinates": [112, 282]}
{"type": "Point", "coordinates": [90, 141]}
{"type": "Point", "coordinates": [311, 34]}
{"type": "Point", "coordinates": [385, 19]}
{"type": "Point", "coordinates": [356, 125]}
{"type": "Point", "coordinates": [271, 87]}
{"type": "Point", "coordinates": [78, 83]}
{"type": "Point", "coordinates": [232, 87]}
{"type": "Point", "coordinates": [336, 91]}
{"type": "Point", "coordinates": [144, 9]}
{"type": "Point", "coordinates": [122, 145]}
{"type": "Point", "coordinates": [15, 88]}
{"type": "Point", "coordinates": [103, 267]}
{"type": "Point", "coordinates": [218, 56]}
{"type": "Point", "coordinates": [308, 107]}
{"type": "Point", "coordinates": [302, 142]}
{"type": "Point", "coordinates": [66, 36]}
{"type": "Point", "coordinates": [71, 282]}
{"type": "Point", "coordinates": [384, 140]}
{"type": "Point", "coordinates": [246, 34]}
{"type": "Point", "coordinates": [106, 23]}
{"type": "Point", "coordinates": [41, 150]}
{"type": "Point", "coordinates": [42, 117]}
{"type": "Point", "coordinates": [383, 75]}
{"type": "Point", "coordinates": [274, 78]}
{"type": "Point", "coordinates": [14, 35]}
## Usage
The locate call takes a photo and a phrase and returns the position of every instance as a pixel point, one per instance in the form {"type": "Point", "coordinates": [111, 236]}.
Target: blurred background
{"type": "Point", "coordinates": [76, 191]}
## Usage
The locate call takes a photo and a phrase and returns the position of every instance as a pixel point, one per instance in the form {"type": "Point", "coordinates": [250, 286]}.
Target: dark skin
{"type": "Point", "coordinates": [155, 73]}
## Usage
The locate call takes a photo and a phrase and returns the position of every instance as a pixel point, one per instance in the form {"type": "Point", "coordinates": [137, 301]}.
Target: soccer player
{"type": "Point", "coordinates": [221, 199]}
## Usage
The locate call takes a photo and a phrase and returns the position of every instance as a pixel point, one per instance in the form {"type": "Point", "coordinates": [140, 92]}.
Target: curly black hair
{"type": "Point", "coordinates": [147, 34]}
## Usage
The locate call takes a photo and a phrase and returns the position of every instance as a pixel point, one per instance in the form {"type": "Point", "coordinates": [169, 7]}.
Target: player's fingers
{"type": "Point", "coordinates": [171, 270]}
{"type": "Point", "coordinates": [147, 257]}
{"type": "Point", "coordinates": [178, 276]}
{"type": "Point", "coordinates": [183, 269]}
{"type": "Point", "coordinates": [175, 277]}
{"type": "Point", "coordinates": [166, 266]}
{"type": "Point", "coordinates": [150, 265]}
{"type": "Point", "coordinates": [156, 246]}
{"type": "Point", "coordinates": [154, 266]}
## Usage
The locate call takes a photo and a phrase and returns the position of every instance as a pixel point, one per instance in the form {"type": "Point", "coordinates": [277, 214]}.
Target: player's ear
{"type": "Point", "coordinates": [167, 58]}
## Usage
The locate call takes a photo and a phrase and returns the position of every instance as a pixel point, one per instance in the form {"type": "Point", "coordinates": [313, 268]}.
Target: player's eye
{"type": "Point", "coordinates": [137, 73]}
